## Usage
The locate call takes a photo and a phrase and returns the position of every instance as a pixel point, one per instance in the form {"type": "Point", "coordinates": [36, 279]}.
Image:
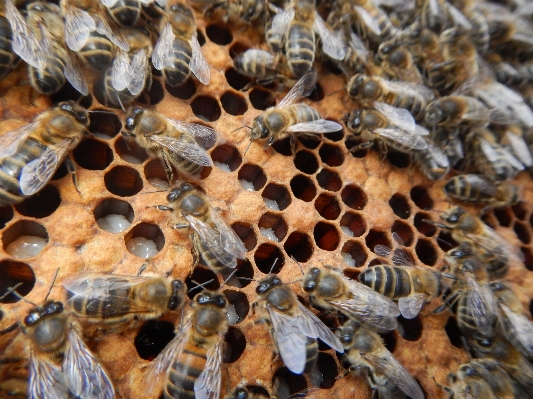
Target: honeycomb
{"type": "Point", "coordinates": [322, 205]}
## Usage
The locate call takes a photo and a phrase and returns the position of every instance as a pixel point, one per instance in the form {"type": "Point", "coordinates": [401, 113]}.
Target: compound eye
{"type": "Point", "coordinates": [386, 49]}
{"type": "Point", "coordinates": [309, 286]}
{"type": "Point", "coordinates": [202, 299]}
{"type": "Point", "coordinates": [221, 302]}
{"type": "Point", "coordinates": [66, 107]}
{"type": "Point", "coordinates": [31, 318]}
{"type": "Point", "coordinates": [261, 288]}
{"type": "Point", "coordinates": [173, 195]}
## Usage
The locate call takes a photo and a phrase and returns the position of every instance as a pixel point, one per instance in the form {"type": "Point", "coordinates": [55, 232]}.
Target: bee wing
{"type": "Point", "coordinates": [24, 42]}
{"type": "Point", "coordinates": [189, 151]}
{"type": "Point", "coordinates": [493, 156]}
{"type": "Point", "coordinates": [109, 3]}
{"type": "Point", "coordinates": [405, 138]}
{"type": "Point", "coordinates": [409, 87]}
{"type": "Point", "coordinates": [439, 156]}
{"type": "Point", "coordinates": [482, 303]}
{"type": "Point", "coordinates": [162, 55]}
{"type": "Point", "coordinates": [281, 21]}
{"type": "Point", "coordinates": [523, 328]}
{"type": "Point", "coordinates": [37, 173]}
{"type": "Point", "coordinates": [46, 380]}
{"type": "Point", "coordinates": [458, 17]}
{"type": "Point", "coordinates": [78, 26]}
{"type": "Point", "coordinates": [11, 141]}
{"type": "Point", "coordinates": [397, 116]}
{"type": "Point", "coordinates": [410, 305]}
{"type": "Point", "coordinates": [519, 148]}
{"type": "Point", "coordinates": [207, 135]}
{"type": "Point", "coordinates": [303, 87]}
{"type": "Point", "coordinates": [318, 126]}
{"type": "Point", "coordinates": [232, 242]}
{"type": "Point", "coordinates": [367, 19]}
{"type": "Point", "coordinates": [389, 366]}
{"type": "Point", "coordinates": [139, 67]}
{"type": "Point", "coordinates": [479, 183]}
{"type": "Point", "coordinates": [84, 375]}
{"type": "Point", "coordinates": [359, 46]}
{"type": "Point", "coordinates": [198, 63]}
{"type": "Point", "coordinates": [121, 70]}
{"type": "Point", "coordinates": [74, 75]}
{"type": "Point", "coordinates": [323, 332]}
{"type": "Point", "coordinates": [260, 56]}
{"type": "Point", "coordinates": [107, 27]}
{"type": "Point", "coordinates": [207, 385]}
{"type": "Point", "coordinates": [497, 95]}
{"type": "Point", "coordinates": [331, 44]}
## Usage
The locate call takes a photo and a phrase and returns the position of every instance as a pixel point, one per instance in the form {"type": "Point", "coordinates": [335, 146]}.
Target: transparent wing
{"type": "Point", "coordinates": [78, 26]}
{"type": "Point", "coordinates": [24, 42]}
{"type": "Point", "coordinates": [107, 27]}
{"type": "Point", "coordinates": [11, 141]}
{"type": "Point", "coordinates": [331, 44]}
{"type": "Point", "coordinates": [493, 156]}
{"type": "Point", "coordinates": [359, 46]}
{"type": "Point", "coordinates": [481, 184]}
{"type": "Point", "coordinates": [74, 74]}
{"type": "Point", "coordinates": [109, 3]}
{"type": "Point", "coordinates": [305, 85]}
{"type": "Point", "coordinates": [523, 328]}
{"type": "Point", "coordinates": [281, 21]}
{"type": "Point", "coordinates": [459, 18]}
{"type": "Point", "coordinates": [163, 49]}
{"type": "Point", "coordinates": [397, 116]}
{"type": "Point", "coordinates": [140, 68]}
{"type": "Point", "coordinates": [405, 138]}
{"type": "Point", "coordinates": [519, 148]}
{"type": "Point", "coordinates": [482, 304]}
{"type": "Point", "coordinates": [438, 155]}
{"type": "Point", "coordinates": [207, 385]}
{"type": "Point", "coordinates": [198, 63]}
{"type": "Point", "coordinates": [318, 126]}
{"type": "Point", "coordinates": [259, 56]}
{"type": "Point", "coordinates": [368, 20]}
{"type": "Point", "coordinates": [231, 241]}
{"type": "Point", "coordinates": [37, 173]}
{"type": "Point", "coordinates": [84, 375]}
{"type": "Point", "coordinates": [410, 305]}
{"type": "Point", "coordinates": [410, 88]}
{"type": "Point", "coordinates": [189, 151]}
{"type": "Point", "coordinates": [121, 70]}
{"type": "Point", "coordinates": [46, 380]}
{"type": "Point", "coordinates": [207, 135]}
{"type": "Point", "coordinates": [324, 333]}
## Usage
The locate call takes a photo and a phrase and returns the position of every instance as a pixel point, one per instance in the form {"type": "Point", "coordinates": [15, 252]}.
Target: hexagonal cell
{"type": "Point", "coordinates": [6, 214]}
{"type": "Point", "coordinates": [331, 155]}
{"type": "Point", "coordinates": [353, 253]}
{"type": "Point", "coordinates": [219, 34]}
{"type": "Point", "coordinates": [240, 305]}
{"type": "Point", "coordinates": [329, 180]}
{"type": "Point", "coordinates": [400, 206]}
{"type": "Point", "coordinates": [61, 171]}
{"type": "Point", "coordinates": [352, 144]}
{"type": "Point", "coordinates": [421, 198]}
{"type": "Point", "coordinates": [237, 48]}
{"type": "Point", "coordinates": [504, 216]}
{"type": "Point", "coordinates": [287, 383]}
{"type": "Point", "coordinates": [265, 256]}
{"type": "Point", "coordinates": [454, 334]}
{"type": "Point", "coordinates": [426, 252]}
{"type": "Point", "coordinates": [144, 240]}
{"type": "Point", "coordinates": [375, 237]}
{"type": "Point", "coordinates": [40, 205]}
{"type": "Point", "coordinates": [201, 37]}
{"type": "Point", "coordinates": [299, 246]}
{"type": "Point", "coordinates": [352, 274]}
{"type": "Point", "coordinates": [24, 239]}
{"type": "Point", "coordinates": [113, 215]}
{"type": "Point", "coordinates": [130, 151]}
{"type": "Point", "coordinates": [261, 99]}
{"type": "Point", "coordinates": [445, 241]}
{"type": "Point", "coordinates": [399, 159]}
{"type": "Point", "coordinates": [423, 226]}
{"type": "Point", "coordinates": [252, 177]}
{"type": "Point", "coordinates": [68, 92]}
{"type": "Point", "coordinates": [236, 79]}
{"type": "Point", "coordinates": [328, 368]}
{"type": "Point", "coordinates": [335, 136]}
{"type": "Point", "coordinates": [152, 338]}
{"type": "Point", "coordinates": [374, 262]}
{"type": "Point", "coordinates": [93, 155]}
{"type": "Point", "coordinates": [520, 210]}
{"type": "Point", "coordinates": [233, 104]}
{"type": "Point", "coordinates": [14, 273]}
{"type": "Point", "coordinates": [353, 224]}
{"type": "Point", "coordinates": [283, 147]}
{"type": "Point", "coordinates": [326, 236]}
{"type": "Point", "coordinates": [198, 280]}
{"type": "Point", "coordinates": [104, 124]}
{"type": "Point", "coordinates": [244, 275]}
{"type": "Point", "coordinates": [303, 188]}
{"type": "Point", "coordinates": [155, 174]}
{"type": "Point", "coordinates": [310, 141]}
{"type": "Point", "coordinates": [183, 92]}
{"type": "Point", "coordinates": [276, 197]}
{"type": "Point", "coordinates": [328, 206]}
{"type": "Point", "coordinates": [246, 233]}
{"type": "Point", "coordinates": [273, 227]}
{"type": "Point", "coordinates": [123, 181]}
{"type": "Point", "coordinates": [317, 94]}
{"type": "Point", "coordinates": [354, 197]}
{"type": "Point", "coordinates": [404, 231]}
{"type": "Point", "coordinates": [206, 108]}
{"type": "Point", "coordinates": [235, 345]}
{"type": "Point", "coordinates": [152, 96]}
{"type": "Point", "coordinates": [226, 158]}
{"type": "Point", "coordinates": [410, 329]}
{"type": "Point", "coordinates": [305, 161]}
{"type": "Point", "coordinates": [522, 232]}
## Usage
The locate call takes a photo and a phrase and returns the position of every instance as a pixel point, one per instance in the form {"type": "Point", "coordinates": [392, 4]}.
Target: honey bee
{"type": "Point", "coordinates": [98, 52]}
{"type": "Point", "coordinates": [508, 29]}
{"type": "Point", "coordinates": [297, 24]}
{"type": "Point", "coordinates": [287, 119]}
{"type": "Point", "coordinates": [397, 61]}
{"type": "Point", "coordinates": [258, 64]}
{"type": "Point", "coordinates": [356, 59]}
{"type": "Point", "coordinates": [469, 383]}
{"type": "Point", "coordinates": [294, 327]}
{"type": "Point", "coordinates": [330, 290]}
{"type": "Point", "coordinates": [451, 142]}
{"type": "Point", "coordinates": [131, 71]}
{"type": "Point", "coordinates": [513, 139]}
{"type": "Point", "coordinates": [371, 89]}
{"type": "Point", "coordinates": [112, 303]}
{"type": "Point", "coordinates": [59, 360]}
{"type": "Point", "coordinates": [410, 285]}
{"type": "Point", "coordinates": [497, 378]}
{"type": "Point", "coordinates": [29, 156]}
{"type": "Point", "coordinates": [389, 127]}
{"type": "Point", "coordinates": [370, 20]}
{"type": "Point", "coordinates": [509, 74]}
{"type": "Point", "coordinates": [177, 52]}
{"type": "Point", "coordinates": [174, 141]}
{"type": "Point", "coordinates": [476, 188]}
{"type": "Point", "coordinates": [126, 12]}
{"type": "Point", "coordinates": [367, 355]}
{"type": "Point", "coordinates": [213, 240]}
{"type": "Point", "coordinates": [433, 161]}
{"type": "Point", "coordinates": [190, 365]}
{"type": "Point", "coordinates": [246, 10]}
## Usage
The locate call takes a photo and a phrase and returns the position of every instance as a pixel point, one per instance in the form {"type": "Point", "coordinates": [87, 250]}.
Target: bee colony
{"type": "Point", "coordinates": [413, 109]}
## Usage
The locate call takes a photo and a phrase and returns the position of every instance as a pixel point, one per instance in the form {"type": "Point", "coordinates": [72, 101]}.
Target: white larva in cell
{"type": "Point", "coordinates": [131, 159]}
{"type": "Point", "coordinates": [222, 166]}
{"type": "Point", "coordinates": [346, 230]}
{"type": "Point", "coordinates": [113, 223]}
{"type": "Point", "coordinates": [248, 186]}
{"type": "Point", "coordinates": [347, 258]}
{"type": "Point", "coordinates": [142, 247]}
{"type": "Point", "coordinates": [268, 233]}
{"type": "Point", "coordinates": [102, 136]}
{"type": "Point", "coordinates": [271, 204]}
{"type": "Point", "coordinates": [231, 313]}
{"type": "Point", "coordinates": [159, 183]}
{"type": "Point", "coordinates": [26, 247]}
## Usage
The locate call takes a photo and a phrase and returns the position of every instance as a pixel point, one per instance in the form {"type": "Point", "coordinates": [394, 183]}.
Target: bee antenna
{"type": "Point", "coordinates": [336, 91]}
{"type": "Point", "coordinates": [156, 191]}
{"type": "Point", "coordinates": [246, 278]}
{"type": "Point", "coordinates": [52, 285]}
{"type": "Point", "coordinates": [247, 148]}
{"type": "Point", "coordinates": [300, 266]}
{"type": "Point", "coordinates": [227, 279]}
{"type": "Point", "coordinates": [142, 268]}
{"type": "Point", "coordinates": [199, 285]}
{"type": "Point", "coordinates": [239, 128]}
{"type": "Point", "coordinates": [295, 281]}
{"type": "Point", "coordinates": [14, 292]}
{"type": "Point", "coordinates": [444, 241]}
{"type": "Point", "coordinates": [11, 290]}
{"type": "Point", "coordinates": [273, 264]}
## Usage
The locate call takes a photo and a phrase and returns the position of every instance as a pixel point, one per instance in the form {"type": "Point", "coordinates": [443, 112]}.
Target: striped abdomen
{"type": "Point", "coordinates": [302, 113]}
{"type": "Point", "coordinates": [180, 163]}
{"type": "Point", "coordinates": [7, 57]}
{"type": "Point", "coordinates": [465, 320]}
{"type": "Point", "coordinates": [127, 12]}
{"type": "Point", "coordinates": [11, 167]}
{"type": "Point", "coordinates": [467, 188]}
{"type": "Point", "coordinates": [311, 354]}
{"type": "Point", "coordinates": [177, 74]}
{"type": "Point", "coordinates": [205, 251]}
{"type": "Point", "coordinates": [494, 163]}
{"type": "Point", "coordinates": [300, 49]}
{"type": "Point", "coordinates": [52, 78]}
{"type": "Point", "coordinates": [184, 372]}
{"type": "Point", "coordinates": [115, 97]}
{"type": "Point", "coordinates": [98, 51]}
{"type": "Point", "coordinates": [413, 102]}
{"type": "Point", "coordinates": [393, 282]}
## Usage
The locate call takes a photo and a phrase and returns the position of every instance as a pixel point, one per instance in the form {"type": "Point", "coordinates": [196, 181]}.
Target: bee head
{"type": "Point", "coordinates": [346, 333]}
{"type": "Point", "coordinates": [310, 280]}
{"type": "Point", "coordinates": [497, 286]}
{"type": "Point", "coordinates": [259, 129]}
{"type": "Point", "coordinates": [213, 298]}
{"type": "Point", "coordinates": [355, 84]}
{"type": "Point", "coordinates": [240, 393]}
{"type": "Point", "coordinates": [132, 118]}
{"type": "Point", "coordinates": [49, 308]}
{"type": "Point", "coordinates": [178, 289]}
{"type": "Point", "coordinates": [178, 191]}
{"type": "Point", "coordinates": [354, 121]}
{"type": "Point", "coordinates": [454, 215]}
{"type": "Point", "coordinates": [267, 284]}
{"type": "Point", "coordinates": [80, 113]}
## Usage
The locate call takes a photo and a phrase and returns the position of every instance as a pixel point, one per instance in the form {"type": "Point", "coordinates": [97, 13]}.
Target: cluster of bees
{"type": "Point", "coordinates": [429, 78]}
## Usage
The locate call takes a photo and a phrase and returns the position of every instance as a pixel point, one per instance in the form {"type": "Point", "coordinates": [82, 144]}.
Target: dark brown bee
{"type": "Point", "coordinates": [468, 383]}
{"type": "Point", "coordinates": [397, 62]}
{"type": "Point", "coordinates": [433, 161]}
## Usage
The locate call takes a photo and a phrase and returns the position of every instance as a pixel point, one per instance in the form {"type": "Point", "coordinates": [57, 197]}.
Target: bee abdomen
{"type": "Point", "coordinates": [311, 353]}
{"type": "Point", "coordinates": [390, 281]}
{"type": "Point", "coordinates": [300, 49]}
{"type": "Point", "coordinates": [183, 164]}
{"type": "Point", "coordinates": [7, 56]}
{"type": "Point", "coordinates": [183, 374]}
{"type": "Point", "coordinates": [127, 12]}
{"type": "Point", "coordinates": [302, 113]}
{"type": "Point", "coordinates": [114, 96]}
{"type": "Point", "coordinates": [205, 252]}
{"type": "Point", "coordinates": [180, 70]}
{"type": "Point", "coordinates": [51, 79]}
{"type": "Point", "coordinates": [98, 52]}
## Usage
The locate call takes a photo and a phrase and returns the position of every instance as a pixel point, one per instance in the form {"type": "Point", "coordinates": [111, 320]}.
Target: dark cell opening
{"type": "Point", "coordinates": [327, 206]}
{"type": "Point", "coordinates": [200, 36]}
{"type": "Point", "coordinates": [233, 104]}
{"type": "Point", "coordinates": [354, 197]}
{"type": "Point", "coordinates": [123, 181]}
{"type": "Point", "coordinates": [299, 246]}
{"type": "Point", "coordinates": [353, 253]}
{"type": "Point", "coordinates": [374, 262]}
{"type": "Point", "coordinates": [398, 159]}
{"type": "Point", "coordinates": [183, 92]}
{"type": "Point", "coordinates": [317, 94]}
{"type": "Point", "coordinates": [13, 273]}
{"type": "Point", "coordinates": [277, 193]}
{"type": "Point", "coordinates": [400, 206]}
{"type": "Point", "coordinates": [227, 156]}
{"type": "Point", "coordinates": [504, 216]}
{"type": "Point", "coordinates": [453, 332]}
{"type": "Point", "coordinates": [219, 34]}
{"type": "Point", "coordinates": [328, 368]}
{"type": "Point", "coordinates": [261, 99]}
{"type": "Point", "coordinates": [287, 382]}
{"type": "Point", "coordinates": [326, 236]}
{"type": "Point", "coordinates": [390, 341]}
{"type": "Point", "coordinates": [237, 48]}
{"type": "Point", "coordinates": [112, 206]}
{"type": "Point", "coordinates": [68, 92]}
{"type": "Point", "coordinates": [236, 80]}
{"type": "Point", "coordinates": [235, 345]}
{"type": "Point", "coordinates": [404, 231]}
{"type": "Point", "coordinates": [531, 307]}
{"type": "Point", "coordinates": [155, 174]}
{"type": "Point", "coordinates": [528, 257]}
{"type": "Point", "coordinates": [130, 151]}
{"type": "Point", "coordinates": [6, 214]}
{"type": "Point", "coordinates": [206, 108]}
{"type": "Point", "coordinates": [283, 147]}
{"type": "Point", "coordinates": [424, 227]}
{"type": "Point", "coordinates": [522, 232]}
{"type": "Point", "coordinates": [150, 232]}
{"type": "Point", "coordinates": [335, 136]}
{"type": "Point", "coordinates": [410, 329]}
{"type": "Point", "coordinates": [201, 275]}
{"type": "Point", "coordinates": [445, 241]}
{"type": "Point", "coordinates": [93, 155]}
{"type": "Point", "coordinates": [351, 273]}
{"type": "Point", "coordinates": [303, 188]}
{"type": "Point", "coordinates": [244, 270]}
{"type": "Point", "coordinates": [265, 256]}
{"type": "Point", "coordinates": [352, 144]}
{"type": "Point", "coordinates": [375, 237]}
{"type": "Point", "coordinates": [331, 155]}
{"type": "Point", "coordinates": [353, 224]}
{"type": "Point", "coordinates": [239, 302]}
{"type": "Point", "coordinates": [310, 142]}
{"type": "Point", "coordinates": [104, 124]}
{"type": "Point", "coordinates": [253, 174]}
{"type": "Point", "coordinates": [426, 252]}
{"type": "Point", "coordinates": [421, 198]}
{"type": "Point", "coordinates": [246, 234]}
{"type": "Point", "coordinates": [61, 171]}
{"type": "Point", "coordinates": [305, 161]}
{"type": "Point", "coordinates": [274, 224]}
{"type": "Point", "coordinates": [520, 210]}
{"type": "Point", "coordinates": [18, 230]}
{"type": "Point", "coordinates": [155, 95]}
{"type": "Point", "coordinates": [152, 338]}
{"type": "Point", "coordinates": [40, 205]}
{"type": "Point", "coordinates": [329, 180]}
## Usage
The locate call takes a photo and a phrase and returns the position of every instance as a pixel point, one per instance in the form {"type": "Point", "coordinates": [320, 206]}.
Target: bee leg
{"type": "Point", "coordinates": [168, 168]}
{"type": "Point", "coordinates": [292, 141]}
{"type": "Point", "coordinates": [72, 170]}
{"type": "Point", "coordinates": [362, 146]}
{"type": "Point", "coordinates": [195, 252]}
{"type": "Point", "coordinates": [178, 226]}
{"type": "Point", "coordinates": [269, 142]}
